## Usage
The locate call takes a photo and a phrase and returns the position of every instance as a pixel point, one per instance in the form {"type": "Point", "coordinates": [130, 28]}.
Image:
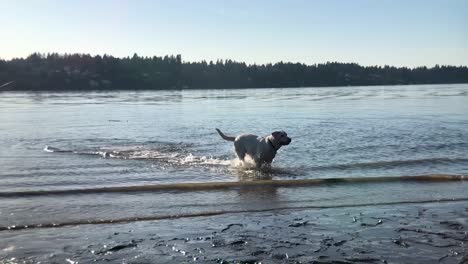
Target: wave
{"type": "Point", "coordinates": [418, 147]}
{"type": "Point", "coordinates": [215, 213]}
{"type": "Point", "coordinates": [207, 186]}
{"type": "Point", "coordinates": [389, 164]}
{"type": "Point", "coordinates": [442, 94]}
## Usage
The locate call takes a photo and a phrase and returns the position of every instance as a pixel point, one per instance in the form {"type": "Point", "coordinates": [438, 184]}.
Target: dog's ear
{"type": "Point", "coordinates": [276, 134]}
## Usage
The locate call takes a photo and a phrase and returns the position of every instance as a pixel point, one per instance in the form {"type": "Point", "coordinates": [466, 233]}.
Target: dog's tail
{"type": "Point", "coordinates": [224, 136]}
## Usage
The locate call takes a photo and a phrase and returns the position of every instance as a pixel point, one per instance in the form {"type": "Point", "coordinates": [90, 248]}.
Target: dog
{"type": "Point", "coordinates": [261, 149]}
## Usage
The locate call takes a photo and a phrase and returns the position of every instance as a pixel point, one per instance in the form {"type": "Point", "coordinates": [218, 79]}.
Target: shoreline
{"type": "Point", "coordinates": [106, 90]}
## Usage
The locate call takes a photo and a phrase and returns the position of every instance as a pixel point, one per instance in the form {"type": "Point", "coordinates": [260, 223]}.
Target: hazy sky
{"type": "Point", "coordinates": [369, 32]}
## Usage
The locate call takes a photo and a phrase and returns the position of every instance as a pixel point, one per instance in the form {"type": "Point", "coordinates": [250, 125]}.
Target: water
{"type": "Point", "coordinates": [68, 141]}
{"type": "Point", "coordinates": [136, 138]}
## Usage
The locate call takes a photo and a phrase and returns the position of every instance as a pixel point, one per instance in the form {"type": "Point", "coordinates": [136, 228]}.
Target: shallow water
{"type": "Point", "coordinates": [135, 138]}
{"type": "Point", "coordinates": [69, 141]}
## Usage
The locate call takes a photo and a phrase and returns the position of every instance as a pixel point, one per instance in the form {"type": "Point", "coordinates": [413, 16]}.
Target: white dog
{"type": "Point", "coordinates": [261, 149]}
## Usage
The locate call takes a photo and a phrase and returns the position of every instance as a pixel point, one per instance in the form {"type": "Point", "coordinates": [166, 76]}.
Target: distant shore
{"type": "Point", "coordinates": [82, 72]}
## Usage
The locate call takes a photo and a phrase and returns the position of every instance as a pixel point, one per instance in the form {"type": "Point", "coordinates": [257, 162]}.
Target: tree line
{"type": "Point", "coordinates": [64, 72]}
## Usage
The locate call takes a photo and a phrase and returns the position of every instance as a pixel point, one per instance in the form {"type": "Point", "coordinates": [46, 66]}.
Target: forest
{"type": "Point", "coordinates": [64, 72]}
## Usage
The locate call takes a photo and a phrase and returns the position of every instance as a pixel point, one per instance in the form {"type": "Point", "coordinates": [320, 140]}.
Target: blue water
{"type": "Point", "coordinates": [135, 138]}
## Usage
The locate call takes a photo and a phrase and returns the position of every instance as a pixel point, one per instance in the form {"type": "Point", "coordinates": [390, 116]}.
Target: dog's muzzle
{"type": "Point", "coordinates": [287, 141]}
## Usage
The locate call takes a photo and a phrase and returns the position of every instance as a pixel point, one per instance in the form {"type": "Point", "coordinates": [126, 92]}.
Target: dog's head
{"type": "Point", "coordinates": [281, 137]}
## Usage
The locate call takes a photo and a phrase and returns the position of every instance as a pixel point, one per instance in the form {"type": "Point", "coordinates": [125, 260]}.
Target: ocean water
{"type": "Point", "coordinates": [59, 142]}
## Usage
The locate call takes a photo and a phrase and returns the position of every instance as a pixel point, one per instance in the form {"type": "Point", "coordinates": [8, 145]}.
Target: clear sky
{"type": "Point", "coordinates": [369, 32]}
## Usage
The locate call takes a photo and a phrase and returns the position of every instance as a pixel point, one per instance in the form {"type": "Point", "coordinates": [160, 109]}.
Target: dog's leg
{"type": "Point", "coordinates": [240, 153]}
{"type": "Point", "coordinates": [258, 163]}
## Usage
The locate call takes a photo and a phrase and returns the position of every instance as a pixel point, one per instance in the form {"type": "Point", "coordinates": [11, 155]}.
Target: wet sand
{"type": "Point", "coordinates": [434, 232]}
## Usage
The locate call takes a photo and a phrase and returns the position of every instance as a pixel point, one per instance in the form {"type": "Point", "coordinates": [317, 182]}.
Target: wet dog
{"type": "Point", "coordinates": [261, 149]}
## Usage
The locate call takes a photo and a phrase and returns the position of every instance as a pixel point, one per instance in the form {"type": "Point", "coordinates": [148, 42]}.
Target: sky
{"type": "Point", "coordinates": [369, 32]}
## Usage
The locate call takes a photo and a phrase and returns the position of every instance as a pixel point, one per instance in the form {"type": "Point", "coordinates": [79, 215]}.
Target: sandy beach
{"type": "Point", "coordinates": [431, 232]}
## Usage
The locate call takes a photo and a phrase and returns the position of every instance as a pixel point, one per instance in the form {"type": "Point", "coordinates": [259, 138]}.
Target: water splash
{"type": "Point", "coordinates": [177, 156]}
{"type": "Point", "coordinates": [164, 154]}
